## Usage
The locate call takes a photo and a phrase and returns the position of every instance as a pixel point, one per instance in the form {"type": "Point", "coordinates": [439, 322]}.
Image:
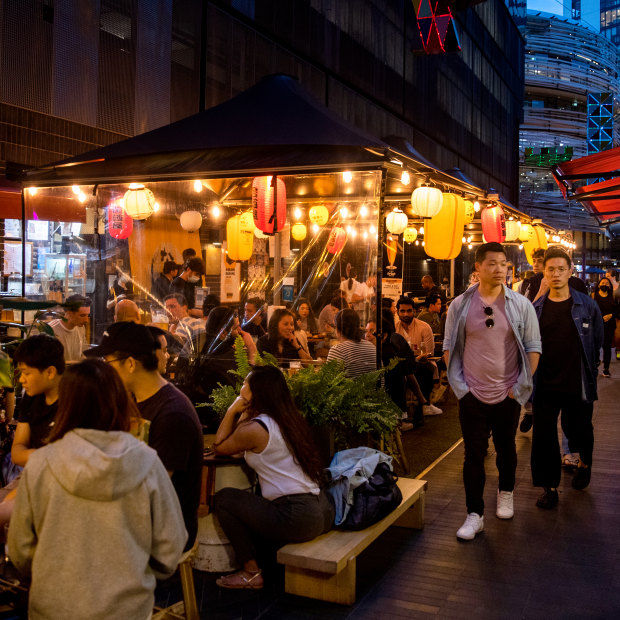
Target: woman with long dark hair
{"type": "Point", "coordinates": [280, 339]}
{"type": "Point", "coordinates": [265, 425]}
{"type": "Point", "coordinates": [95, 496]}
{"type": "Point", "coordinates": [604, 297]}
{"type": "Point", "coordinates": [307, 320]}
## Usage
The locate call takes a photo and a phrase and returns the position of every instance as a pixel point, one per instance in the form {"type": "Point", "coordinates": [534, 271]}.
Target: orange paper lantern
{"type": "Point", "coordinates": [337, 239]}
{"type": "Point", "coordinates": [494, 224]}
{"type": "Point", "coordinates": [443, 234]}
{"type": "Point", "coordinates": [269, 204]}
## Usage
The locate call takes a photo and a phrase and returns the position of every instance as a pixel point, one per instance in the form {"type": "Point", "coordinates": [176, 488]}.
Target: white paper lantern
{"type": "Point", "coordinates": [426, 201]}
{"type": "Point", "coordinates": [396, 221]}
{"type": "Point", "coordinates": [513, 230]}
{"type": "Point", "coordinates": [191, 221]}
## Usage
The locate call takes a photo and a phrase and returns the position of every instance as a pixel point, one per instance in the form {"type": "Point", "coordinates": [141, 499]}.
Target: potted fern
{"type": "Point", "coordinates": [343, 409]}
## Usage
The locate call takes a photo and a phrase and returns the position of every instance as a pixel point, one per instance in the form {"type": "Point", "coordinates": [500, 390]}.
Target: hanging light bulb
{"type": "Point", "coordinates": [363, 211]}
{"type": "Point", "coordinates": [76, 189]}
{"type": "Point", "coordinates": [32, 191]}
{"type": "Point", "coordinates": [421, 231]}
{"type": "Point", "coordinates": [365, 235]}
{"type": "Point", "coordinates": [349, 229]}
{"type": "Point", "coordinates": [476, 206]}
{"type": "Point", "coordinates": [215, 212]}
{"type": "Point", "coordinates": [372, 230]}
{"type": "Point", "coordinates": [417, 242]}
{"type": "Point", "coordinates": [156, 207]}
{"type": "Point", "coordinates": [353, 233]}
{"type": "Point", "coordinates": [405, 179]}
{"type": "Point", "coordinates": [297, 213]}
{"type": "Point", "coordinates": [347, 177]}
{"type": "Point", "coordinates": [344, 212]}
{"type": "Point", "coordinates": [82, 197]}
{"type": "Point", "coordinates": [197, 186]}
{"type": "Point", "coordinates": [315, 228]}
{"type": "Point", "coordinates": [470, 246]}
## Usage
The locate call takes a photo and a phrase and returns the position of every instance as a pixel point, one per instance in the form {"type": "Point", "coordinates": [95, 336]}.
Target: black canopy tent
{"type": "Point", "coordinates": [274, 127]}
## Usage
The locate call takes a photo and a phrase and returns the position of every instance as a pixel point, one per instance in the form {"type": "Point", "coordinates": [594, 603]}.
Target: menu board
{"type": "Point", "coordinates": [13, 258]}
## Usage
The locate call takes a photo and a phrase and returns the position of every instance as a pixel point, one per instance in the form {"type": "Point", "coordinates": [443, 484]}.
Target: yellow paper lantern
{"type": "Point", "coordinates": [537, 240]}
{"type": "Point", "coordinates": [526, 232]}
{"type": "Point", "coordinates": [470, 211]}
{"type": "Point", "coordinates": [410, 234]}
{"type": "Point", "coordinates": [299, 231]}
{"type": "Point", "coordinates": [319, 215]}
{"type": "Point", "coordinates": [444, 232]}
{"type": "Point", "coordinates": [396, 221]}
{"type": "Point", "coordinates": [139, 202]}
{"type": "Point", "coordinates": [239, 229]}
{"type": "Point", "coordinates": [513, 230]}
{"type": "Point", "coordinates": [426, 201]}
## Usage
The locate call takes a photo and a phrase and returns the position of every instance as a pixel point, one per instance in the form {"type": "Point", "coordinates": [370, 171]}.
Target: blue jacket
{"type": "Point", "coordinates": [522, 318]}
{"type": "Point", "coordinates": [349, 469]}
{"type": "Point", "coordinates": [589, 323]}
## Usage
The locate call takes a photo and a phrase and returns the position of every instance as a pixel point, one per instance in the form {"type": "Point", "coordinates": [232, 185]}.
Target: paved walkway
{"type": "Point", "coordinates": [563, 563]}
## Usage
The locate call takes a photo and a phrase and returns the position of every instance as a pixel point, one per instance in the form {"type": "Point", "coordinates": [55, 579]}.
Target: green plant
{"type": "Point", "coordinates": [326, 397]}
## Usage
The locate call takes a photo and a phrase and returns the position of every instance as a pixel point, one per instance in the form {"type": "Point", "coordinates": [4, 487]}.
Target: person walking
{"type": "Point", "coordinates": [571, 328]}
{"type": "Point", "coordinates": [491, 350]}
{"type": "Point", "coordinates": [607, 304]}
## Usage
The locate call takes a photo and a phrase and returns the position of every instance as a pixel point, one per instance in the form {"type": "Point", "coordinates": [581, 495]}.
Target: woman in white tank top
{"type": "Point", "coordinates": [276, 442]}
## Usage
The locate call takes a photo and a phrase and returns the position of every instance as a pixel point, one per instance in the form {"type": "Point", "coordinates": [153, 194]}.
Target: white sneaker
{"type": "Point", "coordinates": [431, 410]}
{"type": "Point", "coordinates": [505, 507]}
{"type": "Point", "coordinates": [474, 524]}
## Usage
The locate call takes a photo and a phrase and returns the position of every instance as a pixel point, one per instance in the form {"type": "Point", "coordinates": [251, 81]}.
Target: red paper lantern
{"type": "Point", "coordinates": [120, 225]}
{"type": "Point", "coordinates": [337, 239]}
{"type": "Point", "coordinates": [269, 204]}
{"type": "Point", "coordinates": [494, 224]}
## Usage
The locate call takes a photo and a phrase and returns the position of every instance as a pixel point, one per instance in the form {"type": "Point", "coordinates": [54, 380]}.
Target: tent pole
{"type": "Point", "coordinates": [451, 277]}
{"type": "Point", "coordinates": [583, 256]}
{"type": "Point", "coordinates": [380, 241]}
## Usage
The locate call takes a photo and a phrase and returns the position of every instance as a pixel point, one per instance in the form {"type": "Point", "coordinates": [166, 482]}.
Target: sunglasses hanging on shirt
{"type": "Point", "coordinates": [489, 312]}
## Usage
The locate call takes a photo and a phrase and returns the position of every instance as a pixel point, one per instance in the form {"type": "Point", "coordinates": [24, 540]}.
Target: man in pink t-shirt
{"type": "Point", "coordinates": [491, 349]}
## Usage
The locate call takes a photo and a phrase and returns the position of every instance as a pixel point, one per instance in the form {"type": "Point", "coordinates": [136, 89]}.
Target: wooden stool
{"type": "Point", "coordinates": [186, 609]}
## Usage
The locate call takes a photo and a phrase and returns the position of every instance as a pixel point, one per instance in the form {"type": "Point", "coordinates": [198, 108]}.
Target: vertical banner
{"type": "Point", "coordinates": [392, 256]}
{"type": "Point", "coordinates": [392, 276]}
{"type": "Point", "coordinates": [230, 278]}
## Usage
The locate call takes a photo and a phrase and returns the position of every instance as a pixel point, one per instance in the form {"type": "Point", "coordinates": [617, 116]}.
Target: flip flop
{"type": "Point", "coordinates": [238, 581]}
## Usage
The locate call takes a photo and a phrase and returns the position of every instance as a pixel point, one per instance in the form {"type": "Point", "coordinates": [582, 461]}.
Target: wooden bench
{"type": "Point", "coordinates": [324, 568]}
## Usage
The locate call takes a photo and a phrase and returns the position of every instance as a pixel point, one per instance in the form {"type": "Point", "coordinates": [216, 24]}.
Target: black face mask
{"type": "Point", "coordinates": [604, 288]}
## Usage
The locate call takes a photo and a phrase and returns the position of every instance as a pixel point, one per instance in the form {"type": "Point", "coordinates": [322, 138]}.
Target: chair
{"type": "Point", "coordinates": [186, 609]}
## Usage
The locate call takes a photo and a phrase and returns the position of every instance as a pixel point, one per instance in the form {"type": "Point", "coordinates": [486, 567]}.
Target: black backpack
{"type": "Point", "coordinates": [374, 499]}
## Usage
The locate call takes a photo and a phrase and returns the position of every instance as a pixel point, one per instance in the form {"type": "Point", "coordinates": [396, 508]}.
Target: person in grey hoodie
{"type": "Point", "coordinates": [96, 519]}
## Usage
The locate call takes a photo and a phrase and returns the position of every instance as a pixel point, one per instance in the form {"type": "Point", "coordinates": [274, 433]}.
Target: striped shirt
{"type": "Point", "coordinates": [358, 357]}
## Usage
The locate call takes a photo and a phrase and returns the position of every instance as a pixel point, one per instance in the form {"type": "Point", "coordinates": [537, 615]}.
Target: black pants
{"type": "Point", "coordinates": [423, 373]}
{"type": "Point", "coordinates": [608, 339]}
{"type": "Point", "coordinates": [291, 518]}
{"type": "Point", "coordinates": [576, 424]}
{"type": "Point", "coordinates": [477, 420]}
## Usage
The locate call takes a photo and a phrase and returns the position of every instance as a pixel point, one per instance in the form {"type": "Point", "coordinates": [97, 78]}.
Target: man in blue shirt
{"type": "Point", "coordinates": [571, 328]}
{"type": "Point", "coordinates": [491, 349]}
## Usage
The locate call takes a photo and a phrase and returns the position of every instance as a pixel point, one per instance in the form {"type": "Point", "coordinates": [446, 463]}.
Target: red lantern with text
{"type": "Point", "coordinates": [269, 204]}
{"type": "Point", "coordinates": [494, 224]}
{"type": "Point", "coordinates": [120, 225]}
{"type": "Point", "coordinates": [337, 239]}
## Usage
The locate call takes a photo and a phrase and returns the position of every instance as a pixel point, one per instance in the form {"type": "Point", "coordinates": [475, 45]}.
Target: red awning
{"type": "Point", "coordinates": [601, 198]}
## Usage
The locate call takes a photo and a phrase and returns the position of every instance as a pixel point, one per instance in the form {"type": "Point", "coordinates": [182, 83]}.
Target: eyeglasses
{"type": "Point", "coordinates": [554, 270]}
{"type": "Point", "coordinates": [115, 359]}
{"type": "Point", "coordinates": [489, 312]}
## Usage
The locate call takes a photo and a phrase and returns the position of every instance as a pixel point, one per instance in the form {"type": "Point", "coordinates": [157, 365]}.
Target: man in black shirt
{"type": "Point", "coordinates": [161, 286]}
{"type": "Point", "coordinates": [571, 329]}
{"type": "Point", "coordinates": [175, 432]}
{"type": "Point", "coordinates": [253, 317]}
